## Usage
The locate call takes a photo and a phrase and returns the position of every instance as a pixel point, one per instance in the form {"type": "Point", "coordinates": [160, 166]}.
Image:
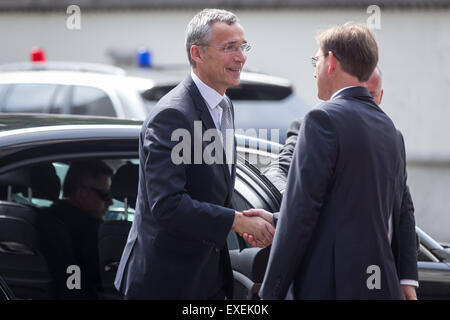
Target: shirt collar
{"type": "Point", "coordinates": [211, 96]}
{"type": "Point", "coordinates": [339, 91]}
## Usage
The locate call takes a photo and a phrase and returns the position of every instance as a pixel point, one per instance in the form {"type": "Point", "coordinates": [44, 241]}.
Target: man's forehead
{"type": "Point", "coordinates": [224, 29]}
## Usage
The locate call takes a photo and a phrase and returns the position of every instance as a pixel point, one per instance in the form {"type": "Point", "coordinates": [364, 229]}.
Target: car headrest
{"type": "Point", "coordinates": [124, 183]}
{"type": "Point", "coordinates": [41, 178]}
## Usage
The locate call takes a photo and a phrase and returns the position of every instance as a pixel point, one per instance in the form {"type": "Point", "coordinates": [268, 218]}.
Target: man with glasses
{"type": "Point", "coordinates": [86, 198]}
{"type": "Point", "coordinates": [347, 181]}
{"type": "Point", "coordinates": [177, 247]}
{"type": "Point", "coordinates": [277, 172]}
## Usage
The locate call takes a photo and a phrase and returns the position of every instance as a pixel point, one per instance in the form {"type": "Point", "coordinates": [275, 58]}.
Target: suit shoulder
{"type": "Point", "coordinates": [175, 101]}
{"type": "Point", "coordinates": [175, 98]}
{"type": "Point", "coordinates": [330, 106]}
{"type": "Point", "coordinates": [171, 110]}
{"type": "Point", "coordinates": [321, 112]}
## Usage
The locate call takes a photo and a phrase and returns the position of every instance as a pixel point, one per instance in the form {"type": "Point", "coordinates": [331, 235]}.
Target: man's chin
{"type": "Point", "coordinates": [234, 82]}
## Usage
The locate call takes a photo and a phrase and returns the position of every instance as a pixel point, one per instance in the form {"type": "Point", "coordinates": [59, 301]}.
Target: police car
{"type": "Point", "coordinates": [262, 103]}
{"type": "Point", "coordinates": [40, 86]}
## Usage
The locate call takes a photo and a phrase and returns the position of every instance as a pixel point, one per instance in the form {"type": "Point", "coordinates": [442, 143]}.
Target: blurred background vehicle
{"type": "Point", "coordinates": [262, 103]}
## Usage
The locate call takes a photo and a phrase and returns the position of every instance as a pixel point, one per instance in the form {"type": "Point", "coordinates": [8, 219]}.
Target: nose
{"type": "Point", "coordinates": [240, 56]}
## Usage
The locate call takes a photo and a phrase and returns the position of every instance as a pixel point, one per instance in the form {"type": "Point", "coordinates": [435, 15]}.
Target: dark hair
{"type": "Point", "coordinates": [354, 46]}
{"type": "Point", "coordinates": [80, 172]}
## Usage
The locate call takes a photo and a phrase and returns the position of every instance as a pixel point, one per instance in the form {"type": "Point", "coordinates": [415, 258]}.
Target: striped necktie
{"type": "Point", "coordinates": [226, 125]}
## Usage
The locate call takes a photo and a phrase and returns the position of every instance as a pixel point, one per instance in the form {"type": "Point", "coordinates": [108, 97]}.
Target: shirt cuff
{"type": "Point", "coordinates": [408, 282]}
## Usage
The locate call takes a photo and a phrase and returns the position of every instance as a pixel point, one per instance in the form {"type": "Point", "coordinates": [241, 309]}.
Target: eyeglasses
{"type": "Point", "coordinates": [316, 58]}
{"type": "Point", "coordinates": [105, 195]}
{"type": "Point", "coordinates": [231, 48]}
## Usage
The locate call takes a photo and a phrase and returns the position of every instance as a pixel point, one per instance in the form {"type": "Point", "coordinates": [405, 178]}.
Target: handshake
{"type": "Point", "coordinates": [256, 226]}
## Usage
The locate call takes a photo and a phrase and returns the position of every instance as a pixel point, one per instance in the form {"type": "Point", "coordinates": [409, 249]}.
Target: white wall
{"type": "Point", "coordinates": [414, 46]}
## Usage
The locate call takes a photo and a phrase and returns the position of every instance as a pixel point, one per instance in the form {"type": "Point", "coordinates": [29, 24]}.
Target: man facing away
{"type": "Point", "coordinates": [278, 170]}
{"type": "Point", "coordinates": [176, 247]}
{"type": "Point", "coordinates": [346, 182]}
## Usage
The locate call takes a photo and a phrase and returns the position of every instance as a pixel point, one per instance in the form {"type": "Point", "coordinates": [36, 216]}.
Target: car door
{"type": "Point", "coordinates": [252, 190]}
{"type": "Point", "coordinates": [5, 291]}
{"type": "Point", "coordinates": [434, 268]}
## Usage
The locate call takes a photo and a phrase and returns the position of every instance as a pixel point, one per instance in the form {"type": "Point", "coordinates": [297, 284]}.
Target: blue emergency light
{"type": "Point", "coordinates": [144, 58]}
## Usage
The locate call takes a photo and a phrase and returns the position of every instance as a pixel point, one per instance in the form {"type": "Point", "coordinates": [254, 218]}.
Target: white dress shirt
{"type": "Point", "coordinates": [212, 99]}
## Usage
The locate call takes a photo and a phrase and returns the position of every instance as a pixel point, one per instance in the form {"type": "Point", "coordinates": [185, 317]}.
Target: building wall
{"type": "Point", "coordinates": [414, 58]}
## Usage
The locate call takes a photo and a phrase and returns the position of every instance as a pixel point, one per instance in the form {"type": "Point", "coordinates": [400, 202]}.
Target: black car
{"type": "Point", "coordinates": [35, 152]}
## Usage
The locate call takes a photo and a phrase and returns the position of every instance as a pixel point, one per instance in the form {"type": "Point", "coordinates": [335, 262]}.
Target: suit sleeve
{"type": "Point", "coordinates": [310, 173]}
{"type": "Point", "coordinates": [170, 203]}
{"type": "Point", "coordinates": [278, 170]}
{"type": "Point", "coordinates": [407, 235]}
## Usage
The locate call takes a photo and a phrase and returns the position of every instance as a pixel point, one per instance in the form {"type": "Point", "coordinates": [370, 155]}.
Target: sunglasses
{"type": "Point", "coordinates": [105, 195]}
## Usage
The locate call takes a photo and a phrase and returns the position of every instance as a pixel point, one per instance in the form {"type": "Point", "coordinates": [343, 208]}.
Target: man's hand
{"type": "Point", "coordinates": [266, 215]}
{"type": "Point", "coordinates": [408, 292]}
{"type": "Point", "coordinates": [261, 230]}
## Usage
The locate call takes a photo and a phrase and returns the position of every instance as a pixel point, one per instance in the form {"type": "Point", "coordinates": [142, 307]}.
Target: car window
{"type": "Point", "coordinates": [91, 101]}
{"type": "Point", "coordinates": [425, 255]}
{"type": "Point", "coordinates": [37, 192]}
{"type": "Point", "coordinates": [34, 98]}
{"type": "Point", "coordinates": [61, 100]}
{"type": "Point", "coordinates": [260, 91]}
{"type": "Point", "coordinates": [117, 210]}
{"type": "Point", "coordinates": [3, 89]}
{"type": "Point", "coordinates": [244, 91]}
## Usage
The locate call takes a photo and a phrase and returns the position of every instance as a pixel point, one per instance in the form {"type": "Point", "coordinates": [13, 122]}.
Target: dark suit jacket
{"type": "Point", "coordinates": [176, 247]}
{"type": "Point", "coordinates": [277, 171]}
{"type": "Point", "coordinates": [347, 176]}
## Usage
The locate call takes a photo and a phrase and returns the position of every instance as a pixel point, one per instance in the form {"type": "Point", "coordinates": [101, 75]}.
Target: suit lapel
{"type": "Point", "coordinates": [207, 120]}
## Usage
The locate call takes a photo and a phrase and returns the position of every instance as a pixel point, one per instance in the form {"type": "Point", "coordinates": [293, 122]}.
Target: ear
{"type": "Point", "coordinates": [196, 53]}
{"type": "Point", "coordinates": [332, 63]}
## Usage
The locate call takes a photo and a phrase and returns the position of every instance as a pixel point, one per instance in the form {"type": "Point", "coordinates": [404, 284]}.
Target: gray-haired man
{"type": "Point", "coordinates": [177, 248]}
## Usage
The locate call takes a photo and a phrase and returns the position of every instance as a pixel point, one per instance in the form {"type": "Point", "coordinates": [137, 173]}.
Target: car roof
{"type": "Point", "coordinates": [25, 138]}
{"type": "Point", "coordinates": [100, 80]}
{"type": "Point", "coordinates": [12, 122]}
{"type": "Point", "coordinates": [62, 66]}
